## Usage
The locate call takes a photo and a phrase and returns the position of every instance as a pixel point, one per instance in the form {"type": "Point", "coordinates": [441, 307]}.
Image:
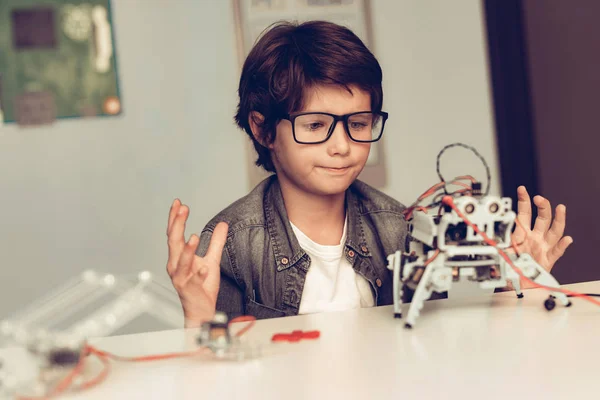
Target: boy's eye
{"type": "Point", "coordinates": [357, 125]}
{"type": "Point", "coordinates": [315, 125]}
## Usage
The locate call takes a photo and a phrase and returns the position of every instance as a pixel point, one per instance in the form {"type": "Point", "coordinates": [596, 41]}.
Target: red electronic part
{"type": "Point", "coordinates": [295, 336]}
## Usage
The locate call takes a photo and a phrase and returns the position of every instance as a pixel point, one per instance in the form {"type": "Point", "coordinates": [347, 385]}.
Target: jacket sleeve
{"type": "Point", "coordinates": [230, 298]}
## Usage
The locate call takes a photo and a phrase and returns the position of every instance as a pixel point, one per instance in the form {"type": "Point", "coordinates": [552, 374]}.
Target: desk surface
{"type": "Point", "coordinates": [492, 348]}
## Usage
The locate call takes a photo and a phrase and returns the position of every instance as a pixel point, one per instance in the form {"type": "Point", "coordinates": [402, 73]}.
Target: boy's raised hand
{"type": "Point", "coordinates": [545, 242]}
{"type": "Point", "coordinates": [195, 278]}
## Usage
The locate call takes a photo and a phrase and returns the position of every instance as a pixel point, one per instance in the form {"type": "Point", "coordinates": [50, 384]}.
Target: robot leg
{"type": "Point", "coordinates": [422, 293]}
{"type": "Point", "coordinates": [532, 270]}
{"type": "Point", "coordinates": [394, 262]}
{"type": "Point", "coordinates": [511, 276]}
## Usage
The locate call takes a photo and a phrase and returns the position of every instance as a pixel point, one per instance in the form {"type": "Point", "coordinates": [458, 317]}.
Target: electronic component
{"type": "Point", "coordinates": [216, 336]}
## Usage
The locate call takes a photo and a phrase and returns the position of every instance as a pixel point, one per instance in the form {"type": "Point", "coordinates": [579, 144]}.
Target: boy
{"type": "Point", "coordinates": [311, 237]}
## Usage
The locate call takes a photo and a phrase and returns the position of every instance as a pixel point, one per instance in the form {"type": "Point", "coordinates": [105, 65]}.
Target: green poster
{"type": "Point", "coordinates": [57, 60]}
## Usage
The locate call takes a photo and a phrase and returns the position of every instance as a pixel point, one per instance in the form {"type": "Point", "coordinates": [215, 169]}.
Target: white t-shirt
{"type": "Point", "coordinates": [331, 283]}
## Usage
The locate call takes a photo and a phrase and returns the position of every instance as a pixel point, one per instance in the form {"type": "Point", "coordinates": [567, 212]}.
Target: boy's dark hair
{"type": "Point", "coordinates": [289, 58]}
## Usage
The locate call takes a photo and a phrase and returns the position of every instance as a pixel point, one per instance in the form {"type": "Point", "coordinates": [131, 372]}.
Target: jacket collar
{"type": "Point", "coordinates": [285, 245]}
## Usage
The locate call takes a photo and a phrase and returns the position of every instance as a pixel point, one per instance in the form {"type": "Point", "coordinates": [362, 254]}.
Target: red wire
{"type": "Point", "coordinates": [153, 357]}
{"type": "Point", "coordinates": [244, 318]}
{"type": "Point", "coordinates": [156, 357]}
{"type": "Point", "coordinates": [409, 212]}
{"type": "Point", "coordinates": [67, 381]}
{"type": "Point", "coordinates": [429, 192]}
{"type": "Point", "coordinates": [467, 177]}
{"type": "Point", "coordinates": [429, 260]}
{"type": "Point", "coordinates": [461, 184]}
{"type": "Point", "coordinates": [104, 357]}
{"type": "Point", "coordinates": [440, 185]}
{"type": "Point", "coordinates": [450, 202]}
{"type": "Point", "coordinates": [100, 377]}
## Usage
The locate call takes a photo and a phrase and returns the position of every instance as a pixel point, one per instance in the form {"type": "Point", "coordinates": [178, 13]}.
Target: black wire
{"type": "Point", "coordinates": [437, 200]}
{"type": "Point", "coordinates": [485, 164]}
{"type": "Point", "coordinates": [586, 294]}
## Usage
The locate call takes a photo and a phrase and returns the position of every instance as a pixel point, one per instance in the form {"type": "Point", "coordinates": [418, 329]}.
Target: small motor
{"type": "Point", "coordinates": [63, 357]}
{"type": "Point", "coordinates": [38, 361]}
{"type": "Point", "coordinates": [215, 334]}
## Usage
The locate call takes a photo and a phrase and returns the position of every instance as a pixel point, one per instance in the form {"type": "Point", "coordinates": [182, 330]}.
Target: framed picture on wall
{"type": "Point", "coordinates": [57, 60]}
{"type": "Point", "coordinates": [252, 17]}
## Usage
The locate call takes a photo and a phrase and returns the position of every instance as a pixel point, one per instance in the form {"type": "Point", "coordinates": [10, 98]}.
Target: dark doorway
{"type": "Point", "coordinates": [544, 59]}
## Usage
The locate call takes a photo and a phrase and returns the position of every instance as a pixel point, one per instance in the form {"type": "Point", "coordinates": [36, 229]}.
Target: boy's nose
{"type": "Point", "coordinates": [339, 142]}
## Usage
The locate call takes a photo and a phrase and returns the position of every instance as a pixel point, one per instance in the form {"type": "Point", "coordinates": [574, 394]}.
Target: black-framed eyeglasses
{"type": "Point", "coordinates": [317, 127]}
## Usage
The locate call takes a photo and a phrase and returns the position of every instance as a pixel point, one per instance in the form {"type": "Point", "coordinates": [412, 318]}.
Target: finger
{"type": "Point", "coordinates": [178, 227]}
{"type": "Point", "coordinates": [518, 235]}
{"type": "Point", "coordinates": [184, 266]}
{"type": "Point", "coordinates": [211, 273]}
{"type": "Point", "coordinates": [524, 207]}
{"type": "Point", "coordinates": [200, 269]}
{"type": "Point", "coordinates": [172, 213]}
{"type": "Point", "coordinates": [217, 242]}
{"type": "Point", "coordinates": [176, 240]}
{"type": "Point", "coordinates": [544, 218]}
{"type": "Point", "coordinates": [557, 251]}
{"type": "Point", "coordinates": [558, 225]}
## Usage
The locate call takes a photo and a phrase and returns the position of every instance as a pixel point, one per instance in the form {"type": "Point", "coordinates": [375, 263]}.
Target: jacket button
{"type": "Point", "coordinates": [351, 253]}
{"type": "Point", "coordinates": [378, 282]}
{"type": "Point", "coordinates": [285, 261]}
{"type": "Point", "coordinates": [364, 249]}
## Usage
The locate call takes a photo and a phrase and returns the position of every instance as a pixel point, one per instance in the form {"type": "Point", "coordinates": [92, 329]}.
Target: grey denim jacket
{"type": "Point", "coordinates": [263, 268]}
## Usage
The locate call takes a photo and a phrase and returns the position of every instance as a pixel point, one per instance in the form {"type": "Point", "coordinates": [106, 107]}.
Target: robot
{"type": "Point", "coordinates": [444, 248]}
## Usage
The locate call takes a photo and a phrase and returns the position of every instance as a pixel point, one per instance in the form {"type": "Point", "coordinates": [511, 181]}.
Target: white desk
{"type": "Point", "coordinates": [489, 349]}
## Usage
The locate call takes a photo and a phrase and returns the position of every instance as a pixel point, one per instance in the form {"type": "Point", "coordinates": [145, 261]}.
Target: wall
{"type": "Point", "coordinates": [436, 88]}
{"type": "Point", "coordinates": [96, 193]}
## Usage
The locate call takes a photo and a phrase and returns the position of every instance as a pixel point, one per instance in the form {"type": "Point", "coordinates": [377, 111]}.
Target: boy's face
{"type": "Point", "coordinates": [327, 168]}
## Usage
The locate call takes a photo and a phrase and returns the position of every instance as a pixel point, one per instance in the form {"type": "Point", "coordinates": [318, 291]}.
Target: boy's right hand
{"type": "Point", "coordinates": [195, 278]}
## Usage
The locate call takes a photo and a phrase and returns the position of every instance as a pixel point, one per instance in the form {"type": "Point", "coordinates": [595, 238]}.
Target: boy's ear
{"type": "Point", "coordinates": [255, 120]}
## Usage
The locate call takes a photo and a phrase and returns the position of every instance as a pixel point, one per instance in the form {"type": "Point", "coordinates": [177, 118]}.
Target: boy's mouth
{"type": "Point", "coordinates": [336, 170]}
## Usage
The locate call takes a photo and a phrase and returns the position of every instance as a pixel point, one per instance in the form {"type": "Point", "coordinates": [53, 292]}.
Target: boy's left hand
{"type": "Point", "coordinates": [545, 242]}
